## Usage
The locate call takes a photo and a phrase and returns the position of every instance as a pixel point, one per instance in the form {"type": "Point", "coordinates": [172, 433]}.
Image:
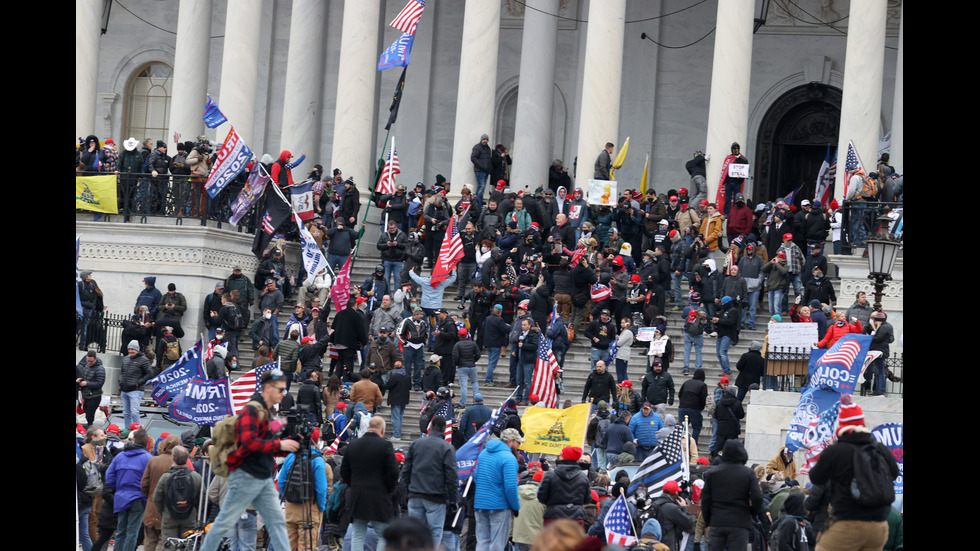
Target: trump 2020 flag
{"type": "Point", "coordinates": [204, 402]}
{"type": "Point", "coordinates": [618, 525]}
{"type": "Point", "coordinates": [250, 194]}
{"type": "Point", "coordinates": [814, 401]}
{"type": "Point", "coordinates": [231, 161]}
{"type": "Point", "coordinates": [397, 54]}
{"type": "Point", "coordinates": [172, 380]}
{"type": "Point", "coordinates": [213, 117]}
{"type": "Point", "coordinates": [839, 367]}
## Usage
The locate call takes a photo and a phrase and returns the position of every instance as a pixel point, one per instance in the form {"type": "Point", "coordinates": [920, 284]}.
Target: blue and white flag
{"type": "Point", "coordinates": [397, 54]}
{"type": "Point", "coordinates": [468, 453]}
{"type": "Point", "coordinates": [618, 525]}
{"type": "Point", "coordinates": [892, 435]}
{"type": "Point", "coordinates": [172, 380]}
{"type": "Point", "coordinates": [213, 117]}
{"type": "Point", "coordinates": [203, 402]}
{"type": "Point", "coordinates": [814, 401]}
{"type": "Point", "coordinates": [839, 367]}
{"type": "Point", "coordinates": [79, 311]}
{"type": "Point", "coordinates": [313, 259]}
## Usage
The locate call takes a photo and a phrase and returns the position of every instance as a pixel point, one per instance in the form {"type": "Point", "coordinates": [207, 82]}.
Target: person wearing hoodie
{"type": "Point", "coordinates": [651, 534]}
{"type": "Point", "coordinates": [530, 522]}
{"type": "Point", "coordinates": [728, 411]}
{"type": "Point", "coordinates": [282, 169]}
{"type": "Point", "coordinates": [156, 467]}
{"type": "Point", "coordinates": [673, 515]}
{"type": "Point", "coordinates": [751, 367]}
{"type": "Point", "coordinates": [123, 477]}
{"type": "Point", "coordinates": [726, 322]}
{"type": "Point", "coordinates": [150, 297]}
{"type": "Point", "coordinates": [791, 530]}
{"type": "Point", "coordinates": [691, 401]}
{"type": "Point", "coordinates": [838, 330]}
{"type": "Point", "coordinates": [565, 489]}
{"type": "Point", "coordinates": [731, 497]}
{"type": "Point", "coordinates": [496, 498]}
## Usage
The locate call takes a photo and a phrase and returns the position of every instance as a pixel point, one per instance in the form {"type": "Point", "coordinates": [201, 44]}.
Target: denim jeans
{"type": "Point", "coordinates": [434, 515]}
{"type": "Point", "coordinates": [695, 418]}
{"type": "Point", "coordinates": [878, 367]}
{"type": "Point", "coordinates": [493, 356]}
{"type": "Point", "coordinates": [748, 315]}
{"type": "Point", "coordinates": [393, 274]}
{"type": "Point", "coordinates": [714, 434]}
{"type": "Point", "coordinates": [245, 532]}
{"type": "Point", "coordinates": [525, 375]}
{"type": "Point", "coordinates": [775, 301]}
{"type": "Point", "coordinates": [721, 348]}
{"type": "Point", "coordinates": [397, 413]}
{"type": "Point", "coordinates": [131, 406]}
{"type": "Point", "coordinates": [243, 489]}
{"type": "Point", "coordinates": [83, 535]}
{"type": "Point", "coordinates": [796, 280]}
{"type": "Point", "coordinates": [515, 365]}
{"type": "Point", "coordinates": [450, 540]}
{"type": "Point", "coordinates": [621, 371]}
{"type": "Point", "coordinates": [492, 529]}
{"type": "Point", "coordinates": [697, 342]}
{"type": "Point", "coordinates": [336, 261]}
{"type": "Point", "coordinates": [676, 287]}
{"type": "Point", "coordinates": [596, 354]}
{"type": "Point", "coordinates": [858, 231]}
{"type": "Point", "coordinates": [467, 376]}
{"type": "Point", "coordinates": [360, 531]}
{"type": "Point", "coordinates": [415, 362]}
{"type": "Point", "coordinates": [481, 183]}
{"type": "Point", "coordinates": [599, 458]}
{"type": "Point", "coordinates": [86, 320]}
{"type": "Point", "coordinates": [128, 525]}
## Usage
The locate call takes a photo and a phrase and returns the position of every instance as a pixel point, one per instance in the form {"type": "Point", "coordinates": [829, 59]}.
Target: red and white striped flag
{"type": "Point", "coordinates": [449, 255]}
{"type": "Point", "coordinates": [340, 292]}
{"type": "Point", "coordinates": [248, 384]}
{"type": "Point", "coordinates": [408, 19]}
{"type": "Point", "coordinates": [545, 368]}
{"type": "Point", "coordinates": [386, 180]}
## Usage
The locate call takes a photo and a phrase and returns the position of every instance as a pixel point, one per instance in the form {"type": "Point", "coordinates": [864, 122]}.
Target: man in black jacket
{"type": "Point", "coordinates": [465, 356]}
{"type": "Point", "coordinates": [853, 525]}
{"type": "Point", "coordinates": [348, 336]}
{"type": "Point", "coordinates": [730, 499]}
{"type": "Point", "coordinates": [446, 335]}
{"type": "Point", "coordinates": [691, 400]}
{"type": "Point", "coordinates": [600, 333]}
{"type": "Point", "coordinates": [429, 474]}
{"type": "Point", "coordinates": [600, 386]}
{"type": "Point", "coordinates": [350, 204]}
{"type": "Point", "coordinates": [882, 334]}
{"type": "Point", "coordinates": [371, 482]}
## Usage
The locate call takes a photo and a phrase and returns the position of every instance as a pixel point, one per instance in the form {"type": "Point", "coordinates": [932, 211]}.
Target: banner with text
{"type": "Point", "coordinates": [231, 161]}
{"type": "Point", "coordinates": [548, 430]}
{"type": "Point", "coordinates": [203, 402]}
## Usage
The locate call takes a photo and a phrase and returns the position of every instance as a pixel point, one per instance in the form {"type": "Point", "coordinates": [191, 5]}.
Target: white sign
{"type": "Point", "coordinates": [645, 334]}
{"type": "Point", "coordinates": [792, 335]}
{"type": "Point", "coordinates": [603, 192]}
{"type": "Point", "coordinates": [738, 171]}
{"type": "Point", "coordinates": [657, 347]}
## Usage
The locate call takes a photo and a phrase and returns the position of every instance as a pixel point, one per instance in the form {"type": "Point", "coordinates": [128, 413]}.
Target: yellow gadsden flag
{"type": "Point", "coordinates": [548, 430]}
{"type": "Point", "coordinates": [96, 193]}
{"type": "Point", "coordinates": [619, 160]}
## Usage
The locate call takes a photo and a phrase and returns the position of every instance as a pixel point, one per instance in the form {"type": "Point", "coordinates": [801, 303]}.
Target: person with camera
{"type": "Point", "coordinates": [304, 484]}
{"type": "Point", "coordinates": [251, 466]}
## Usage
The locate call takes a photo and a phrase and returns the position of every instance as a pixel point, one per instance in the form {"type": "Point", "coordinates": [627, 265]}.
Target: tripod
{"type": "Point", "coordinates": [307, 532]}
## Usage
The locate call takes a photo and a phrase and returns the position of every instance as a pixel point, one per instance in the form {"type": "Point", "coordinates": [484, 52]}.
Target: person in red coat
{"type": "Point", "coordinates": [838, 330]}
{"type": "Point", "coordinates": [740, 218]}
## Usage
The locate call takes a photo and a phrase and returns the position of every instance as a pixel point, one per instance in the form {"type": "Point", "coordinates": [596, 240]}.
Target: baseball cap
{"type": "Point", "coordinates": [511, 434]}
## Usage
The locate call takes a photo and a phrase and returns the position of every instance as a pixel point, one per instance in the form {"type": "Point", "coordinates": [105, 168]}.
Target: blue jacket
{"type": "Point", "coordinates": [477, 415]}
{"type": "Point", "coordinates": [495, 478]}
{"type": "Point", "coordinates": [645, 428]}
{"type": "Point", "coordinates": [496, 332]}
{"type": "Point", "coordinates": [125, 474]}
{"type": "Point", "coordinates": [149, 297]}
{"type": "Point", "coordinates": [615, 436]}
{"type": "Point", "coordinates": [339, 421]}
{"type": "Point", "coordinates": [432, 297]}
{"type": "Point", "coordinates": [319, 477]}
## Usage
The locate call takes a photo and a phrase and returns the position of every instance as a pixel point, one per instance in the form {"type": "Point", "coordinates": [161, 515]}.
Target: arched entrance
{"type": "Point", "coordinates": [793, 140]}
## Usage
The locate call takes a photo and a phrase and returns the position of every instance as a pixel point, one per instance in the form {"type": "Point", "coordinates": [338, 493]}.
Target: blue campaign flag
{"type": "Point", "coordinates": [467, 454]}
{"type": "Point", "coordinates": [397, 54]}
{"type": "Point", "coordinates": [813, 402]}
{"type": "Point", "coordinates": [204, 402]}
{"type": "Point", "coordinates": [213, 117]}
{"type": "Point", "coordinates": [172, 380]}
{"type": "Point", "coordinates": [79, 311]}
{"type": "Point", "coordinates": [839, 367]}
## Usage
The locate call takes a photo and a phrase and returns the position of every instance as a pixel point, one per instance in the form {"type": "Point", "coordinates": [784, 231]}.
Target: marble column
{"type": "Point", "coordinates": [191, 69]}
{"type": "Point", "coordinates": [864, 64]}
{"type": "Point", "coordinates": [477, 89]}
{"type": "Point", "coordinates": [602, 81]}
{"type": "Point", "coordinates": [354, 150]}
{"type": "Point", "coordinates": [240, 68]}
{"type": "Point", "coordinates": [88, 31]}
{"type": "Point", "coordinates": [897, 154]}
{"type": "Point", "coordinates": [731, 71]}
{"type": "Point", "coordinates": [532, 135]}
{"type": "Point", "coordinates": [304, 73]}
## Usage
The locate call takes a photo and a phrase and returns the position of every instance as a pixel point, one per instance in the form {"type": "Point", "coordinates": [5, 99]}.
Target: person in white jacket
{"type": "Point", "coordinates": [623, 344]}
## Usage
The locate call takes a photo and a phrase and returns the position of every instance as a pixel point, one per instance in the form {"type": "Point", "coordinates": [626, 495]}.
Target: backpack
{"type": "Point", "coordinates": [225, 437]}
{"type": "Point", "coordinates": [570, 333]}
{"type": "Point", "coordinates": [238, 319]}
{"type": "Point", "coordinates": [93, 482]}
{"type": "Point", "coordinates": [800, 528]}
{"type": "Point", "coordinates": [172, 351]}
{"type": "Point", "coordinates": [335, 502]}
{"type": "Point", "coordinates": [298, 481]}
{"type": "Point", "coordinates": [328, 432]}
{"type": "Point", "coordinates": [600, 429]}
{"type": "Point", "coordinates": [872, 485]}
{"type": "Point", "coordinates": [869, 187]}
{"type": "Point", "coordinates": [179, 497]}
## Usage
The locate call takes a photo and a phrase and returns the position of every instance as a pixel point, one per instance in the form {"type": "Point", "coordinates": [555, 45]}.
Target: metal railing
{"type": "Point", "coordinates": [181, 197]}
{"type": "Point", "coordinates": [104, 330]}
{"type": "Point", "coordinates": [787, 371]}
{"type": "Point", "coordinates": [860, 220]}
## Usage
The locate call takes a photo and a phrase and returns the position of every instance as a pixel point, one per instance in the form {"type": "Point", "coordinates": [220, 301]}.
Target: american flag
{"type": "Point", "coordinates": [386, 180]}
{"type": "Point", "coordinates": [618, 524]}
{"type": "Point", "coordinates": [340, 292]}
{"type": "Point", "coordinates": [665, 462]}
{"type": "Point", "coordinates": [846, 354]}
{"type": "Point", "coordinates": [825, 177]}
{"type": "Point", "coordinates": [267, 226]}
{"type": "Point", "coordinates": [449, 255]}
{"type": "Point", "coordinates": [545, 369]}
{"type": "Point", "coordinates": [446, 410]}
{"type": "Point", "coordinates": [248, 384]}
{"type": "Point", "coordinates": [408, 19]}
{"type": "Point", "coordinates": [852, 165]}
{"type": "Point", "coordinates": [209, 351]}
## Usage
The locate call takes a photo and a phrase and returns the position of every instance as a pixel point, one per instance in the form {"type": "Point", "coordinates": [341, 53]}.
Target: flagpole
{"type": "Point", "coordinates": [622, 495]}
{"type": "Point", "coordinates": [377, 174]}
{"type": "Point", "coordinates": [686, 464]}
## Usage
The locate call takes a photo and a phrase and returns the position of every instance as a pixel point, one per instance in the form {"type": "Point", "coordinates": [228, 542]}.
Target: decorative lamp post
{"type": "Point", "coordinates": [882, 250]}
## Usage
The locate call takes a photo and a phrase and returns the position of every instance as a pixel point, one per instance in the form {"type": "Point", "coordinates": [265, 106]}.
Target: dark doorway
{"type": "Point", "coordinates": [793, 140]}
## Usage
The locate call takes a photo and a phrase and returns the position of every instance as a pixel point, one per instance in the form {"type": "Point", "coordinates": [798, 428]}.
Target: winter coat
{"type": "Point", "coordinates": [155, 468]}
{"type": "Point", "coordinates": [134, 373]}
{"type": "Point", "coordinates": [835, 332]}
{"type": "Point", "coordinates": [93, 376]}
{"type": "Point", "coordinates": [430, 468]}
{"type": "Point", "coordinates": [495, 478]}
{"type": "Point", "coordinates": [693, 394]}
{"type": "Point", "coordinates": [124, 476]}
{"type": "Point", "coordinates": [466, 354]}
{"type": "Point", "coordinates": [644, 428]}
{"type": "Point", "coordinates": [777, 275]}
{"type": "Point", "coordinates": [728, 411]}
{"type": "Point", "coordinates": [599, 387]}
{"type": "Point", "coordinates": [149, 297]}
{"type": "Point", "coordinates": [751, 367]}
{"type": "Point", "coordinates": [674, 520]}
{"type": "Point", "coordinates": [731, 495]}
{"type": "Point", "coordinates": [373, 480]}
{"type": "Point", "coordinates": [658, 388]}
{"type": "Point", "coordinates": [615, 436]}
{"type": "Point", "coordinates": [836, 467]}
{"type": "Point", "coordinates": [564, 491]}
{"type": "Point", "coordinates": [530, 522]}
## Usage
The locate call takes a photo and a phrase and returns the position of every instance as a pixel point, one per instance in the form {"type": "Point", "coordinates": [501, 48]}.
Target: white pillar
{"type": "Point", "coordinates": [477, 89]}
{"type": "Point", "coordinates": [864, 65]}
{"type": "Point", "coordinates": [532, 134]}
{"type": "Point", "coordinates": [731, 69]}
{"type": "Point", "coordinates": [357, 77]}
{"type": "Point", "coordinates": [190, 69]}
{"type": "Point", "coordinates": [897, 154]}
{"type": "Point", "coordinates": [602, 81]}
{"type": "Point", "coordinates": [88, 31]}
{"type": "Point", "coordinates": [240, 68]}
{"type": "Point", "coordinates": [304, 73]}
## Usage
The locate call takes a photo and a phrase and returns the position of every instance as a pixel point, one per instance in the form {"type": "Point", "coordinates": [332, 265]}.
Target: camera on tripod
{"type": "Point", "coordinates": [299, 423]}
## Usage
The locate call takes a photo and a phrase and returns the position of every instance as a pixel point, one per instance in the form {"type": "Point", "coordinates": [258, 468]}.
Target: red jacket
{"type": "Point", "coordinates": [739, 221]}
{"type": "Point", "coordinates": [835, 332]}
{"type": "Point", "coordinates": [279, 167]}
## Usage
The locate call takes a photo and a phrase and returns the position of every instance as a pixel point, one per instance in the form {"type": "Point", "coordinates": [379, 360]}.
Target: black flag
{"type": "Point", "coordinates": [396, 100]}
{"type": "Point", "coordinates": [276, 212]}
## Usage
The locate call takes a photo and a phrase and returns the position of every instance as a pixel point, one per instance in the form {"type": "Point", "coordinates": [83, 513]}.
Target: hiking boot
{"type": "Point", "coordinates": [509, 385]}
{"type": "Point", "coordinates": [489, 384]}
